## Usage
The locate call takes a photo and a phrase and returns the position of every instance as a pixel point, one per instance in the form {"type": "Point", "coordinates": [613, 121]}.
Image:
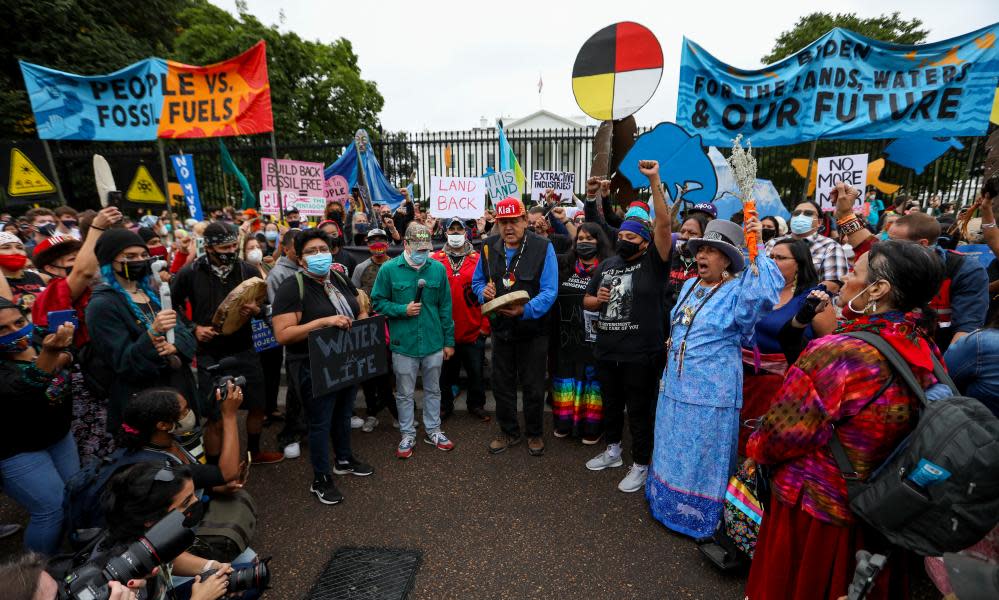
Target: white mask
{"type": "Point", "coordinates": [255, 256]}
{"type": "Point", "coordinates": [456, 240]}
{"type": "Point", "coordinates": [185, 424]}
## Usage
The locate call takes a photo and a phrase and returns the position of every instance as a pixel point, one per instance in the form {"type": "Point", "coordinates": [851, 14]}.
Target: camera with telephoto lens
{"type": "Point", "coordinates": [220, 381]}
{"type": "Point", "coordinates": [161, 544]}
{"type": "Point", "coordinates": [256, 576]}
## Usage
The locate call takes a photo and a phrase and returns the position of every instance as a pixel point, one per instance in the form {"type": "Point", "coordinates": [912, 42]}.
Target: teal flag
{"type": "Point", "coordinates": [228, 166]}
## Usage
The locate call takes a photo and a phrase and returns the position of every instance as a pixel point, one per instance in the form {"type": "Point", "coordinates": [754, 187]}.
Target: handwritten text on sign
{"type": "Point", "coordinates": [307, 206]}
{"type": "Point", "coordinates": [851, 170]}
{"type": "Point", "coordinates": [562, 182]}
{"type": "Point", "coordinates": [306, 178]}
{"type": "Point", "coordinates": [463, 197]}
{"type": "Point", "coordinates": [340, 358]}
{"type": "Point", "coordinates": [501, 184]}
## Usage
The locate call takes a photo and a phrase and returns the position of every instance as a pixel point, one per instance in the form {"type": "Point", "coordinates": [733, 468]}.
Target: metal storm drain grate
{"type": "Point", "coordinates": [367, 574]}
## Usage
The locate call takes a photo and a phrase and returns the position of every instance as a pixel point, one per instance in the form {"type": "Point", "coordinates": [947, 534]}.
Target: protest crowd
{"type": "Point", "coordinates": [804, 389]}
{"type": "Point", "coordinates": [719, 363]}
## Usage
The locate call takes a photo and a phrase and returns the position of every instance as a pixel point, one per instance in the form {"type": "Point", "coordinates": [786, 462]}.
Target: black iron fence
{"type": "Point", "coordinates": [416, 157]}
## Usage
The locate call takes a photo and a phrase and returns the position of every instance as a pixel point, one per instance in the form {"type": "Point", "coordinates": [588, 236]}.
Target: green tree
{"type": "Point", "coordinates": [887, 28]}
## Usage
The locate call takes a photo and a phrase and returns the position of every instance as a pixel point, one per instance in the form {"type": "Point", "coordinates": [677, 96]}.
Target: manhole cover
{"type": "Point", "coordinates": [367, 574]}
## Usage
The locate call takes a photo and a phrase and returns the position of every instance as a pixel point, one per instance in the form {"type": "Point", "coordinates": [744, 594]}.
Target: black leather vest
{"type": "Point", "coordinates": [527, 277]}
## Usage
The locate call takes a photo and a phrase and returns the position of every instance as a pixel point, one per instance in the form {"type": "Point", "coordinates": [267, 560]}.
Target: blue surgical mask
{"type": "Point", "coordinates": [801, 224]}
{"type": "Point", "coordinates": [271, 236]}
{"type": "Point", "coordinates": [17, 341]}
{"type": "Point", "coordinates": [319, 264]}
{"type": "Point", "coordinates": [419, 257]}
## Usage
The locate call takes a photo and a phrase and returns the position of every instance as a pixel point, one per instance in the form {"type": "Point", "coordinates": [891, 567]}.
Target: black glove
{"type": "Point", "coordinates": [808, 310]}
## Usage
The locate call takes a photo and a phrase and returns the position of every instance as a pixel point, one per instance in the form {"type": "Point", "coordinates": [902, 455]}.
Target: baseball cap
{"type": "Point", "coordinates": [706, 208]}
{"type": "Point", "coordinates": [376, 232]}
{"type": "Point", "coordinates": [454, 220]}
{"type": "Point", "coordinates": [509, 208]}
{"type": "Point", "coordinates": [418, 236]}
{"type": "Point", "coordinates": [53, 248]}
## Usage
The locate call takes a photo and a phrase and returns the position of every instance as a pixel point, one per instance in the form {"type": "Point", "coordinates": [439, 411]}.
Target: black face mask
{"type": "Point", "coordinates": [586, 249]}
{"type": "Point", "coordinates": [294, 224]}
{"type": "Point", "coordinates": [225, 258]}
{"type": "Point", "coordinates": [47, 229]}
{"type": "Point", "coordinates": [626, 249]}
{"type": "Point", "coordinates": [135, 270]}
{"type": "Point", "coordinates": [194, 514]}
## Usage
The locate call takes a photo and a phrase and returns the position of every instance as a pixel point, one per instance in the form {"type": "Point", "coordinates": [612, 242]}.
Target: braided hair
{"type": "Point", "coordinates": [109, 277]}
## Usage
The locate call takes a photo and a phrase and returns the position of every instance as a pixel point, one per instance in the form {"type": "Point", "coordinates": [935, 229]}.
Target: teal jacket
{"type": "Point", "coordinates": [395, 287]}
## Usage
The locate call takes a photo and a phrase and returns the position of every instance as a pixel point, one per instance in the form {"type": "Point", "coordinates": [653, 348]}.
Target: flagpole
{"type": "Point", "coordinates": [277, 178]}
{"type": "Point", "coordinates": [55, 174]}
{"type": "Point", "coordinates": [166, 186]}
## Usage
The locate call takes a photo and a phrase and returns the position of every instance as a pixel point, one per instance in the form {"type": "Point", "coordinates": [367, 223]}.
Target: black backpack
{"type": "Point", "coordinates": [82, 498]}
{"type": "Point", "coordinates": [938, 491]}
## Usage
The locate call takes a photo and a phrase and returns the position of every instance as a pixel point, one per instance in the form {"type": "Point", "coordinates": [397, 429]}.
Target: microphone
{"type": "Point", "coordinates": [419, 290]}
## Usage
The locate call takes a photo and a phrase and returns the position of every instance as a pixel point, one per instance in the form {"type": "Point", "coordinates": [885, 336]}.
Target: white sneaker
{"type": "Point", "coordinates": [292, 450]}
{"type": "Point", "coordinates": [369, 424]}
{"type": "Point", "coordinates": [635, 479]}
{"type": "Point", "coordinates": [356, 422]}
{"type": "Point", "coordinates": [603, 461]}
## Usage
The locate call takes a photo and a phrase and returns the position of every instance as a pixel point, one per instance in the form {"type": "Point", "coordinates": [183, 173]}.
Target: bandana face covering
{"type": "Point", "coordinates": [16, 341]}
{"type": "Point", "coordinates": [378, 248]}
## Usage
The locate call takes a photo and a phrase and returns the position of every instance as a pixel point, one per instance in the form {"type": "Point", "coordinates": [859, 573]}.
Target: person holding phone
{"type": "Point", "coordinates": [130, 326]}
{"type": "Point", "coordinates": [37, 453]}
{"type": "Point", "coordinates": [25, 285]}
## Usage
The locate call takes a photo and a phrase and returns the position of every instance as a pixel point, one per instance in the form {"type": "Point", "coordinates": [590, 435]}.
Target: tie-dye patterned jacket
{"type": "Point", "coordinates": [830, 382]}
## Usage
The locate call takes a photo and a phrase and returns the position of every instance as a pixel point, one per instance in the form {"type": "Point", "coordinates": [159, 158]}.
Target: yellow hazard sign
{"type": "Point", "coordinates": [144, 189]}
{"type": "Point", "coordinates": [25, 178]}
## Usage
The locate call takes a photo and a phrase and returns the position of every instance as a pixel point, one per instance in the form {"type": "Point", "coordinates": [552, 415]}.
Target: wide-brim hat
{"type": "Point", "coordinates": [727, 237]}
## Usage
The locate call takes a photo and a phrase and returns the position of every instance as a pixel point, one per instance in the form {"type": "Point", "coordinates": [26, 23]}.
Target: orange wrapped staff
{"type": "Point", "coordinates": [744, 169]}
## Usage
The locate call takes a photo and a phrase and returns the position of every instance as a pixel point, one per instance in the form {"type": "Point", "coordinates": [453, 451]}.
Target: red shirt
{"type": "Point", "coordinates": [465, 308]}
{"type": "Point", "coordinates": [57, 296]}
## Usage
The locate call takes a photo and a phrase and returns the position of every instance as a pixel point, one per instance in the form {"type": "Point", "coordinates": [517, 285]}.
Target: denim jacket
{"type": "Point", "coordinates": [973, 363]}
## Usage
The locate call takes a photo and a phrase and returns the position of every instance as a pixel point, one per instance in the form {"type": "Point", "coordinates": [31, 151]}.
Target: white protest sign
{"type": "Point", "coordinates": [463, 197]}
{"type": "Point", "coordinates": [851, 169]}
{"type": "Point", "coordinates": [308, 206]}
{"type": "Point", "coordinates": [562, 182]}
{"type": "Point", "coordinates": [501, 184]}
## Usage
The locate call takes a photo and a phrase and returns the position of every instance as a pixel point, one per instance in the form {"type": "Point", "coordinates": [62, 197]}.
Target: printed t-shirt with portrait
{"type": "Point", "coordinates": [632, 325]}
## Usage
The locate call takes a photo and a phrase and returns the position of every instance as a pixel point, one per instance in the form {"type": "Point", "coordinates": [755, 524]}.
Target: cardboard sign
{"type": "Point", "coordinates": [307, 206]}
{"type": "Point", "coordinates": [501, 184]}
{"type": "Point", "coordinates": [337, 188]}
{"type": "Point", "coordinates": [340, 358]}
{"type": "Point", "coordinates": [304, 178]}
{"type": "Point", "coordinates": [851, 169]}
{"type": "Point", "coordinates": [563, 183]}
{"type": "Point", "coordinates": [263, 335]}
{"type": "Point", "coordinates": [462, 197]}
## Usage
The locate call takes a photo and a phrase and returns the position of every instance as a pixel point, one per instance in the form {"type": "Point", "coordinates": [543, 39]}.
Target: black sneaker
{"type": "Point", "coordinates": [352, 467]}
{"type": "Point", "coordinates": [325, 490]}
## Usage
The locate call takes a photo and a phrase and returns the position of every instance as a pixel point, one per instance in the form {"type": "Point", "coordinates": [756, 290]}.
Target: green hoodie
{"type": "Point", "coordinates": [395, 287]}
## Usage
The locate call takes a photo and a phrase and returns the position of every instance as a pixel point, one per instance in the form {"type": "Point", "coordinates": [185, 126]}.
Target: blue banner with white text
{"type": "Point", "coordinates": [843, 86]}
{"type": "Point", "coordinates": [183, 166]}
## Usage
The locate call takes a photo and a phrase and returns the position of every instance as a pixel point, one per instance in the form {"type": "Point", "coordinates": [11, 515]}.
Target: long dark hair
{"type": "Point", "coordinates": [143, 412]}
{"type": "Point", "coordinates": [807, 276]}
{"type": "Point", "coordinates": [604, 248]}
{"type": "Point", "coordinates": [134, 497]}
{"type": "Point", "coordinates": [698, 217]}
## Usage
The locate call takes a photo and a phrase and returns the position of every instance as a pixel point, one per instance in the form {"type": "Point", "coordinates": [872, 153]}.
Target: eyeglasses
{"type": "Point", "coordinates": [315, 250]}
{"type": "Point", "coordinates": [777, 257]}
{"type": "Point", "coordinates": [807, 213]}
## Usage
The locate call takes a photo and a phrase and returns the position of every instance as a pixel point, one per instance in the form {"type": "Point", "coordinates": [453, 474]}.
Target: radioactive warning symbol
{"type": "Point", "coordinates": [25, 178]}
{"type": "Point", "coordinates": [617, 70]}
{"type": "Point", "coordinates": [144, 189]}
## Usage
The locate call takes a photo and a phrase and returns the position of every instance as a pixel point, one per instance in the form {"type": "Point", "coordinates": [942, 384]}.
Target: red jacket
{"type": "Point", "coordinates": [465, 308]}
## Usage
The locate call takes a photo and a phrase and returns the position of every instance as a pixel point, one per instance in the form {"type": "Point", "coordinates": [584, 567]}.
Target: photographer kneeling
{"type": "Point", "coordinates": [134, 501]}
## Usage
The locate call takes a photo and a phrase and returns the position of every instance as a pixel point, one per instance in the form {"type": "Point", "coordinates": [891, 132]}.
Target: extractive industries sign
{"type": "Point", "coordinates": [153, 98]}
{"type": "Point", "coordinates": [843, 86]}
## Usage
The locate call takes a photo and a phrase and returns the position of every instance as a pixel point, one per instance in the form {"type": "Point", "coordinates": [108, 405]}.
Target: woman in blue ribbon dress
{"type": "Point", "coordinates": [697, 418]}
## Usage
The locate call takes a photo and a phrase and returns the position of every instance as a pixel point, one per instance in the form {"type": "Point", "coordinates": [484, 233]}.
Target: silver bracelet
{"type": "Point", "coordinates": [988, 225]}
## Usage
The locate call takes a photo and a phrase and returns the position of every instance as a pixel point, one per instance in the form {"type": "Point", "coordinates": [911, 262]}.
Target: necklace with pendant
{"type": "Point", "coordinates": [686, 318]}
{"type": "Point", "coordinates": [509, 279]}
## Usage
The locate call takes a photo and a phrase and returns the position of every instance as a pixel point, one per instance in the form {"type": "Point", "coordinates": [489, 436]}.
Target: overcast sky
{"type": "Point", "coordinates": [443, 65]}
